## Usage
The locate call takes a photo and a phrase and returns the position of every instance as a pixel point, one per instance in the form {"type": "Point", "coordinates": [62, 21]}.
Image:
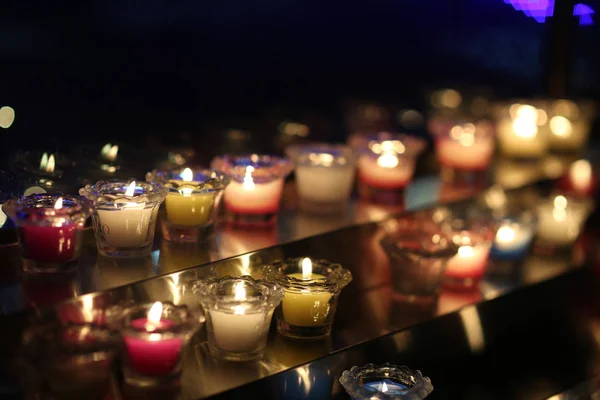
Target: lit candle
{"type": "Point", "coordinates": [238, 325]}
{"type": "Point", "coordinates": [512, 240]}
{"type": "Point", "coordinates": [50, 228]}
{"type": "Point", "coordinates": [469, 263]}
{"type": "Point", "coordinates": [569, 126]}
{"type": "Point", "coordinates": [256, 187]}
{"type": "Point", "coordinates": [386, 386]}
{"type": "Point", "coordinates": [580, 179]}
{"type": "Point", "coordinates": [324, 175]}
{"type": "Point", "coordinates": [184, 208]}
{"type": "Point", "coordinates": [306, 307]}
{"type": "Point", "coordinates": [124, 220]}
{"type": "Point", "coordinates": [466, 147]}
{"type": "Point", "coordinates": [389, 168]}
{"type": "Point", "coordinates": [560, 220]}
{"type": "Point", "coordinates": [524, 133]}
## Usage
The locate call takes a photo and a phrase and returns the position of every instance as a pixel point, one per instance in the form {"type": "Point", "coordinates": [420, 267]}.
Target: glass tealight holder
{"type": "Point", "coordinates": [418, 260]}
{"type": "Point", "coordinates": [192, 203]}
{"type": "Point", "coordinates": [253, 197]}
{"type": "Point", "coordinates": [560, 220]}
{"type": "Point", "coordinates": [570, 124]}
{"type": "Point", "coordinates": [522, 128]}
{"type": "Point", "coordinates": [385, 382]}
{"type": "Point", "coordinates": [124, 216]}
{"type": "Point", "coordinates": [50, 230]}
{"type": "Point", "coordinates": [154, 336]}
{"type": "Point", "coordinates": [312, 288]}
{"type": "Point", "coordinates": [386, 165]}
{"type": "Point", "coordinates": [473, 231]}
{"type": "Point", "coordinates": [324, 176]}
{"type": "Point", "coordinates": [238, 315]}
{"type": "Point", "coordinates": [514, 236]}
{"type": "Point", "coordinates": [465, 152]}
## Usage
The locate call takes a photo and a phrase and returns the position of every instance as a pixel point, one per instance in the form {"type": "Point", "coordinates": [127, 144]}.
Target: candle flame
{"type": "Point", "coordinates": [384, 387]}
{"type": "Point", "coordinates": [105, 149]}
{"type": "Point", "coordinates": [59, 204]}
{"type": "Point", "coordinates": [44, 162]}
{"type": "Point", "coordinates": [524, 127]}
{"type": "Point", "coordinates": [240, 292]}
{"type": "Point", "coordinates": [248, 181]}
{"type": "Point", "coordinates": [187, 175]}
{"type": "Point", "coordinates": [130, 190]}
{"type": "Point", "coordinates": [560, 202]}
{"type": "Point", "coordinates": [111, 155]}
{"type": "Point", "coordinates": [154, 315]}
{"type": "Point", "coordinates": [387, 161]}
{"type": "Point", "coordinates": [466, 251]}
{"type": "Point", "coordinates": [560, 126]}
{"type": "Point", "coordinates": [51, 163]}
{"type": "Point", "coordinates": [239, 310]}
{"type": "Point", "coordinates": [47, 163]}
{"type": "Point", "coordinates": [505, 234]}
{"type": "Point", "coordinates": [87, 305]}
{"type": "Point", "coordinates": [580, 174]}
{"type": "Point", "coordinates": [306, 268]}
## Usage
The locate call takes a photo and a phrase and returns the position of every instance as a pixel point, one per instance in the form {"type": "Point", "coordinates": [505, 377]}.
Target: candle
{"type": "Point", "coordinates": [512, 240]}
{"type": "Point", "coordinates": [254, 194]}
{"type": "Point", "coordinates": [238, 322]}
{"type": "Point", "coordinates": [569, 125]}
{"type": "Point", "coordinates": [324, 175]}
{"type": "Point", "coordinates": [468, 264]}
{"type": "Point", "coordinates": [310, 299]}
{"type": "Point", "coordinates": [465, 147]}
{"type": "Point", "coordinates": [524, 133]}
{"type": "Point", "coordinates": [560, 220]}
{"type": "Point", "coordinates": [580, 179]}
{"type": "Point", "coordinates": [192, 203]}
{"type": "Point", "coordinates": [154, 336]}
{"type": "Point", "coordinates": [125, 216]}
{"type": "Point", "coordinates": [50, 229]}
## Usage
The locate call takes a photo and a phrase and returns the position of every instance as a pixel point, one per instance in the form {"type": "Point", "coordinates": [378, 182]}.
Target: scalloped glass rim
{"type": "Point", "coordinates": [266, 295]}
{"type": "Point", "coordinates": [336, 276]}
{"type": "Point", "coordinates": [391, 242]}
{"type": "Point", "coordinates": [266, 167]}
{"type": "Point", "coordinates": [414, 145]}
{"type": "Point", "coordinates": [185, 321]}
{"type": "Point", "coordinates": [201, 175]}
{"type": "Point", "coordinates": [101, 194]}
{"type": "Point", "coordinates": [300, 154]}
{"type": "Point", "coordinates": [352, 382]}
{"type": "Point", "coordinates": [42, 205]}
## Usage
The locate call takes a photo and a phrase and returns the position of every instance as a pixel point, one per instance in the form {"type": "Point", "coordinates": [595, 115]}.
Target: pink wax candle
{"type": "Point", "coordinates": [251, 198]}
{"type": "Point", "coordinates": [580, 180]}
{"type": "Point", "coordinates": [466, 147]}
{"type": "Point", "coordinates": [152, 356]}
{"type": "Point", "coordinates": [387, 171]}
{"type": "Point", "coordinates": [469, 263]}
{"type": "Point", "coordinates": [50, 244]}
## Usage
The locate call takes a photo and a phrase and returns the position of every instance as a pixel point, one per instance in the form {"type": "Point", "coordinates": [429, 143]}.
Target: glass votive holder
{"type": "Point", "coordinates": [124, 216]}
{"type": "Point", "coordinates": [569, 124]}
{"type": "Point", "coordinates": [50, 230]}
{"type": "Point", "coordinates": [418, 260]}
{"type": "Point", "coordinates": [514, 236]}
{"type": "Point", "coordinates": [84, 349]}
{"type": "Point", "coordinates": [385, 382]}
{"type": "Point", "coordinates": [253, 197]}
{"type": "Point", "coordinates": [522, 129]}
{"type": "Point", "coordinates": [580, 180]}
{"type": "Point", "coordinates": [238, 315]}
{"type": "Point", "coordinates": [560, 219]}
{"type": "Point", "coordinates": [154, 335]}
{"type": "Point", "coordinates": [312, 288]}
{"type": "Point", "coordinates": [324, 175]}
{"type": "Point", "coordinates": [465, 151]}
{"type": "Point", "coordinates": [192, 202]}
{"type": "Point", "coordinates": [386, 165]}
{"type": "Point", "coordinates": [473, 231]}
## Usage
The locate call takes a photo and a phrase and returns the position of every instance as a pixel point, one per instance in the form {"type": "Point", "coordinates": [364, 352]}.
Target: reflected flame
{"type": "Point", "coordinates": [111, 155]}
{"type": "Point", "coordinates": [154, 316]}
{"type": "Point", "coordinates": [306, 268]}
{"type": "Point", "coordinates": [7, 117]}
{"type": "Point", "coordinates": [387, 161]}
{"type": "Point", "coordinates": [187, 175]}
{"type": "Point", "coordinates": [130, 190]}
{"type": "Point", "coordinates": [87, 303]}
{"type": "Point", "coordinates": [473, 329]}
{"type": "Point", "coordinates": [47, 163]}
{"type": "Point", "coordinates": [59, 204]}
{"type": "Point", "coordinates": [248, 181]}
{"type": "Point", "coordinates": [384, 387]}
{"type": "Point", "coordinates": [560, 126]}
{"type": "Point", "coordinates": [3, 217]}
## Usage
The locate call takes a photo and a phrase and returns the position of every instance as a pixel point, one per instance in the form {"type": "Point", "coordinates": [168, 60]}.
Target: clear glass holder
{"type": "Point", "coordinates": [401, 383]}
{"type": "Point", "coordinates": [125, 215]}
{"type": "Point", "coordinates": [238, 315]}
{"type": "Point", "coordinates": [381, 195]}
{"type": "Point", "coordinates": [181, 234]}
{"type": "Point", "coordinates": [310, 301]}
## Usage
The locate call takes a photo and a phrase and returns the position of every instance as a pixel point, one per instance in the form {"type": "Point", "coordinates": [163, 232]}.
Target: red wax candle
{"type": "Point", "coordinates": [153, 357]}
{"type": "Point", "coordinates": [50, 244]}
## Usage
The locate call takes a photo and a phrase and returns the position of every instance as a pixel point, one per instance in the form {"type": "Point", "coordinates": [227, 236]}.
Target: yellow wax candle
{"type": "Point", "coordinates": [306, 307]}
{"type": "Point", "coordinates": [189, 210]}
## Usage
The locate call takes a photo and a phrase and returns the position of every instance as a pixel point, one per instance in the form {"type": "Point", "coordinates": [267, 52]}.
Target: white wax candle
{"type": "Point", "coordinates": [386, 171]}
{"type": "Point", "coordinates": [323, 184]}
{"type": "Point", "coordinates": [559, 222]}
{"type": "Point", "coordinates": [512, 237]}
{"type": "Point", "coordinates": [522, 137]}
{"type": "Point", "coordinates": [468, 263]}
{"type": "Point", "coordinates": [127, 226]}
{"type": "Point", "coordinates": [239, 330]}
{"type": "Point", "coordinates": [258, 198]}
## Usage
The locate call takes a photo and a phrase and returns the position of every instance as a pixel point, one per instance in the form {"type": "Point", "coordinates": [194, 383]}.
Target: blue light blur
{"type": "Point", "coordinates": [541, 9]}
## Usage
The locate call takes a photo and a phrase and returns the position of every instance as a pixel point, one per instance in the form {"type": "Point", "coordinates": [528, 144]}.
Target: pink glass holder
{"type": "Point", "coordinates": [386, 165]}
{"type": "Point", "coordinates": [253, 197]}
{"type": "Point", "coordinates": [50, 230]}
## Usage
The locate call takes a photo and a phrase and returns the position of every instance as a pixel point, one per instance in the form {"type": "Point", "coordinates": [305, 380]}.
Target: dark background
{"type": "Point", "coordinates": [124, 70]}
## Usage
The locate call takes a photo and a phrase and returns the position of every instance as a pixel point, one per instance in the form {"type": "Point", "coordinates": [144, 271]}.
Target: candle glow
{"type": "Point", "coordinates": [248, 181]}
{"type": "Point", "coordinates": [154, 316]}
{"type": "Point", "coordinates": [130, 190]}
{"type": "Point", "coordinates": [306, 268]}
